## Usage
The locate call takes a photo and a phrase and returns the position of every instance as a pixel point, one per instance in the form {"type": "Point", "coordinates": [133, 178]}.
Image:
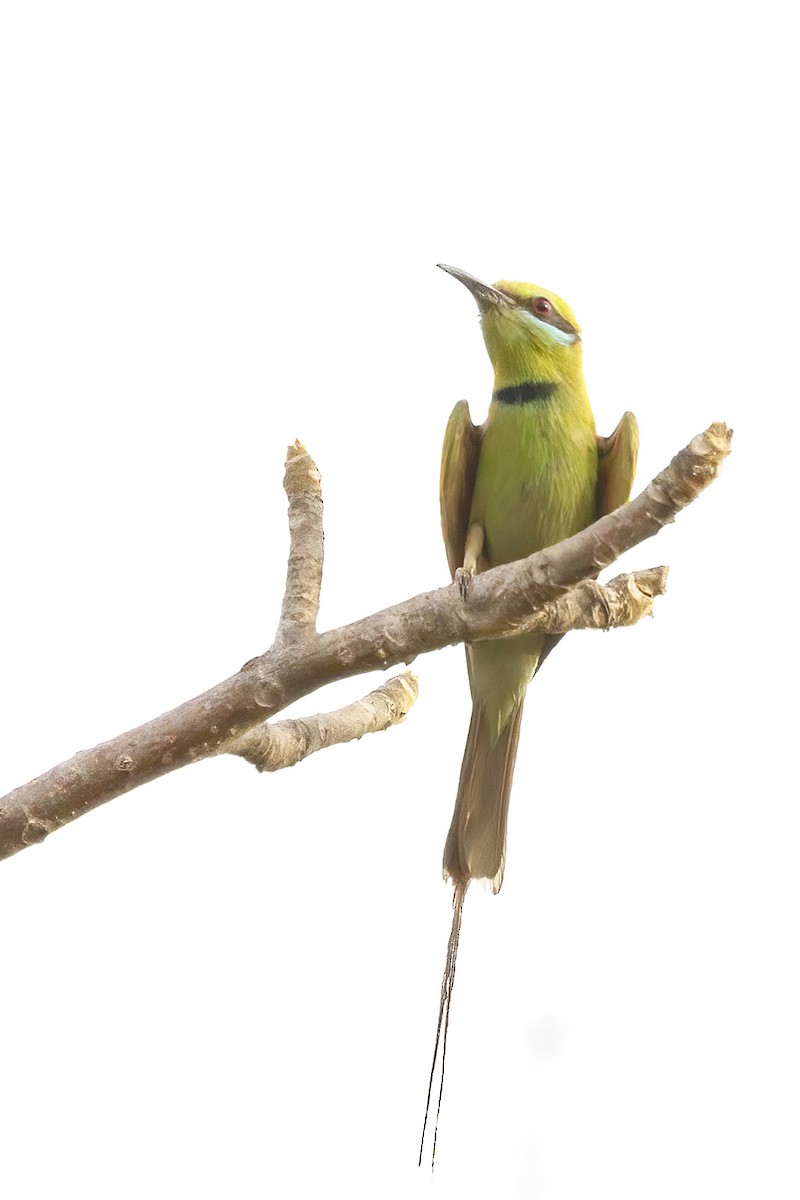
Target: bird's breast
{"type": "Point", "coordinates": [537, 475]}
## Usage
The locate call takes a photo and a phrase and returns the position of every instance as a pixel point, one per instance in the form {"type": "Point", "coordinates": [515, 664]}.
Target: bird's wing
{"type": "Point", "coordinates": [460, 454]}
{"type": "Point", "coordinates": [616, 465]}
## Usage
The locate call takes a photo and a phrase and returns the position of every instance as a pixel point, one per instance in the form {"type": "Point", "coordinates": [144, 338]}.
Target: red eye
{"type": "Point", "coordinates": [541, 306]}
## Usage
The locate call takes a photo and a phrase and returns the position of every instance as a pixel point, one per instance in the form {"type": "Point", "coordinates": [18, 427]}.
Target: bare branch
{"type": "Point", "coordinates": [301, 482]}
{"type": "Point", "coordinates": [501, 598]}
{"type": "Point", "coordinates": [499, 601]}
{"type": "Point", "coordinates": [591, 605]}
{"type": "Point", "coordinates": [270, 747]}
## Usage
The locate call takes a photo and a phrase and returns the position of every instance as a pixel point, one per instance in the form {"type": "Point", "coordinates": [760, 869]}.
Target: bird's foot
{"type": "Point", "coordinates": [463, 578]}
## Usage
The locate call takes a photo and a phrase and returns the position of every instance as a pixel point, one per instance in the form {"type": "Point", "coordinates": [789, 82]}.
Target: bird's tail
{"type": "Point", "coordinates": [476, 844]}
{"type": "Point", "coordinates": [448, 979]}
{"type": "Point", "coordinates": [475, 849]}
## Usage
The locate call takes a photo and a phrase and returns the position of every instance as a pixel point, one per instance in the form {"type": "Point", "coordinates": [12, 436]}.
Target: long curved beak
{"type": "Point", "coordinates": [486, 296]}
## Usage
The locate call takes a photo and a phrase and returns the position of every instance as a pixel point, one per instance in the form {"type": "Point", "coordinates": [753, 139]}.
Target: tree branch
{"type": "Point", "coordinates": [499, 603]}
{"type": "Point", "coordinates": [270, 747]}
{"type": "Point", "coordinates": [302, 484]}
{"type": "Point", "coordinates": [592, 605]}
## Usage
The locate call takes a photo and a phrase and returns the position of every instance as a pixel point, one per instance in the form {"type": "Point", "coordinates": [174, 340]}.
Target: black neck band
{"type": "Point", "coordinates": [525, 393]}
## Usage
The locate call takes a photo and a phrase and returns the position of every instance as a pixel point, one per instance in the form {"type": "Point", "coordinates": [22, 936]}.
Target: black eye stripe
{"type": "Point", "coordinates": [550, 318]}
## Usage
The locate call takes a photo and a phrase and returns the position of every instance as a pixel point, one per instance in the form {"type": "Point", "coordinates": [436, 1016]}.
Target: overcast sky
{"type": "Point", "coordinates": [220, 225]}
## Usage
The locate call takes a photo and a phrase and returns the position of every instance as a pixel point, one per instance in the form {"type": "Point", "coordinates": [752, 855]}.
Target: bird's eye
{"type": "Point", "coordinates": [542, 307]}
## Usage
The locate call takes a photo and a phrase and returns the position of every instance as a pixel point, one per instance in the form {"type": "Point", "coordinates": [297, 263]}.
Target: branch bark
{"type": "Point", "coordinates": [592, 605]}
{"type": "Point", "coordinates": [270, 747]}
{"type": "Point", "coordinates": [500, 603]}
{"type": "Point", "coordinates": [303, 489]}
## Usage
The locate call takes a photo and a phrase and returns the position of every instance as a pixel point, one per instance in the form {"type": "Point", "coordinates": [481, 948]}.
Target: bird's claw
{"type": "Point", "coordinates": [463, 578]}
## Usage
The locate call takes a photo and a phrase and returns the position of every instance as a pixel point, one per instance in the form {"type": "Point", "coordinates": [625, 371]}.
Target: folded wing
{"type": "Point", "coordinates": [616, 465]}
{"type": "Point", "coordinates": [460, 454]}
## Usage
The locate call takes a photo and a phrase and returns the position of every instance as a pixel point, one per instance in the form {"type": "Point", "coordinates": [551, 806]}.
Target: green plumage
{"type": "Point", "coordinates": [532, 475]}
{"type": "Point", "coordinates": [535, 485]}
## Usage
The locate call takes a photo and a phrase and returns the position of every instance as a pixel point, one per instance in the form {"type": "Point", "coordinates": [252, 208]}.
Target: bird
{"type": "Point", "coordinates": [535, 472]}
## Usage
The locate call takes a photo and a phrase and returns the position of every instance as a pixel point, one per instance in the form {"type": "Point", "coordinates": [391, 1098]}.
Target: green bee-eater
{"type": "Point", "coordinates": [534, 473]}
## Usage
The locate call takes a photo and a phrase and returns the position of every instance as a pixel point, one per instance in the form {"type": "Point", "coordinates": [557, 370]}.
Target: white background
{"type": "Point", "coordinates": [219, 230]}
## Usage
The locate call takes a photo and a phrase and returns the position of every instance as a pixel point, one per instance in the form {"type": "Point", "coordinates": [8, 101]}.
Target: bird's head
{"type": "Point", "coordinates": [530, 333]}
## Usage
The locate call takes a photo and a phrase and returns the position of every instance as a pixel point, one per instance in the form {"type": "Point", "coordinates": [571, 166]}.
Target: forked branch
{"type": "Point", "coordinates": [539, 592]}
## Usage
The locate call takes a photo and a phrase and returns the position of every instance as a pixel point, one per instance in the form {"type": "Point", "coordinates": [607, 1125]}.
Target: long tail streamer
{"type": "Point", "coordinates": [448, 980]}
